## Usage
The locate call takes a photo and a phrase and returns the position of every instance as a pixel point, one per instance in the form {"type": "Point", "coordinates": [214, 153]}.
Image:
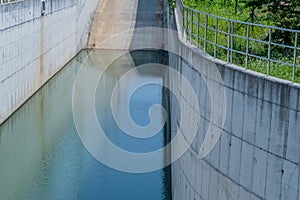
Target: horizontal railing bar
{"type": "Point", "coordinates": [209, 32]}
{"type": "Point", "coordinates": [282, 45]}
{"type": "Point", "coordinates": [257, 40]}
{"type": "Point", "coordinates": [240, 22]}
{"type": "Point", "coordinates": [282, 62]}
{"type": "Point", "coordinates": [221, 46]}
{"type": "Point", "coordinates": [237, 51]}
{"type": "Point", "coordinates": [244, 37]}
{"type": "Point", "coordinates": [4, 2]}
{"type": "Point", "coordinates": [258, 57]}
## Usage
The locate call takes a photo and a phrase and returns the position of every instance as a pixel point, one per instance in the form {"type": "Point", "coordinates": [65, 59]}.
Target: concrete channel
{"type": "Point", "coordinates": [224, 133]}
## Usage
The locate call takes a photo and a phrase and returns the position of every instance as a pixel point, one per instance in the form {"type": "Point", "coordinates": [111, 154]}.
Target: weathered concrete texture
{"type": "Point", "coordinates": [258, 153]}
{"type": "Point", "coordinates": [34, 47]}
{"type": "Point", "coordinates": [113, 17]}
{"type": "Point", "coordinates": [116, 22]}
{"type": "Point", "coordinates": [150, 13]}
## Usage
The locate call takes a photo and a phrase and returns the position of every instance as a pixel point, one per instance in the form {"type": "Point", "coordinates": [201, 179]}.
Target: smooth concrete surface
{"type": "Point", "coordinates": [258, 153]}
{"type": "Point", "coordinates": [119, 24]}
{"type": "Point", "coordinates": [112, 18]}
{"type": "Point", "coordinates": [34, 47]}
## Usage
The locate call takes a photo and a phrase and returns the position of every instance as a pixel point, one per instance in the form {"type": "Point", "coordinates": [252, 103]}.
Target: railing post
{"type": "Point", "coordinates": [295, 57]}
{"type": "Point", "coordinates": [187, 23]}
{"type": "Point", "coordinates": [183, 21]}
{"type": "Point", "coordinates": [216, 37]}
{"type": "Point", "coordinates": [198, 30]}
{"type": "Point", "coordinates": [231, 41]}
{"type": "Point", "coordinates": [247, 45]}
{"type": "Point", "coordinates": [192, 25]}
{"type": "Point", "coordinates": [205, 32]}
{"type": "Point", "coordinates": [269, 51]}
{"type": "Point", "coordinates": [228, 42]}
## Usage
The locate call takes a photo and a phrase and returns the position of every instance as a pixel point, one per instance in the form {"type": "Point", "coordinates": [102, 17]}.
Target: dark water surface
{"type": "Point", "coordinates": [42, 157]}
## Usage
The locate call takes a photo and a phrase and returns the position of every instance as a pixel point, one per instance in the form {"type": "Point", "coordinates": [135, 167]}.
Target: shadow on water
{"type": "Point", "coordinates": [42, 157]}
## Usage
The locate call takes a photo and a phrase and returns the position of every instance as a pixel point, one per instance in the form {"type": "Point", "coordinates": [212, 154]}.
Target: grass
{"type": "Point", "coordinates": [257, 45]}
{"type": "Point", "coordinates": [218, 8]}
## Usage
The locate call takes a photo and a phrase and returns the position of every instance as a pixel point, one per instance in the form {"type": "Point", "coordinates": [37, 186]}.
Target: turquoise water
{"type": "Point", "coordinates": [42, 157]}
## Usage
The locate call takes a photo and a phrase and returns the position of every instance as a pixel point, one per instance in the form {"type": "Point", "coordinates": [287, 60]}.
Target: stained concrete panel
{"type": "Point", "coordinates": [238, 113]}
{"type": "Point", "coordinates": [290, 181]}
{"type": "Point", "coordinates": [246, 165]}
{"type": "Point", "coordinates": [235, 159]}
{"type": "Point", "coordinates": [33, 47]}
{"type": "Point", "coordinates": [274, 176]}
{"type": "Point", "coordinates": [293, 140]}
{"type": "Point", "coordinates": [258, 152]}
{"type": "Point", "coordinates": [225, 153]}
{"type": "Point", "coordinates": [263, 124]}
{"type": "Point", "coordinates": [249, 123]}
{"type": "Point", "coordinates": [260, 161]}
{"type": "Point", "coordinates": [279, 123]}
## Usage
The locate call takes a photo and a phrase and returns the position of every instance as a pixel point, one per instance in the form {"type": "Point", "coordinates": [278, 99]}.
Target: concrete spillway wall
{"type": "Point", "coordinates": [34, 47]}
{"type": "Point", "coordinates": [258, 153]}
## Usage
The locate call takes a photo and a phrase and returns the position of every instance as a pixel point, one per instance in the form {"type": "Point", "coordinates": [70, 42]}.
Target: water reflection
{"type": "Point", "coordinates": [41, 155]}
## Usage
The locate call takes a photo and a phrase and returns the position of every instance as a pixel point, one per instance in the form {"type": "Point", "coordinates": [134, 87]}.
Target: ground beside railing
{"type": "Point", "coordinates": [249, 45]}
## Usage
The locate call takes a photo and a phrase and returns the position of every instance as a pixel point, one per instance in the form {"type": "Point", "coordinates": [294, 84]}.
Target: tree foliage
{"type": "Point", "coordinates": [172, 3]}
{"type": "Point", "coordinates": [282, 13]}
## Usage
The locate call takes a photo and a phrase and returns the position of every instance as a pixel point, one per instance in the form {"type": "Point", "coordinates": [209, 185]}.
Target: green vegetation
{"type": "Point", "coordinates": [264, 42]}
{"type": "Point", "coordinates": [172, 3]}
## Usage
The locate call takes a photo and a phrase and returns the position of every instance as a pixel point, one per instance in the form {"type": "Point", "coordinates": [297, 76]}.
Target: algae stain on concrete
{"type": "Point", "coordinates": [41, 60]}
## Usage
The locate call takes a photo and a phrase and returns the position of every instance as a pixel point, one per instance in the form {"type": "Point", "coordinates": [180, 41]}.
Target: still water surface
{"type": "Point", "coordinates": [42, 157]}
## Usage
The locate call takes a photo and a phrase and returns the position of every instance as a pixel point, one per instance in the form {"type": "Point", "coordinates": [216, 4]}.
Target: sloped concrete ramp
{"type": "Point", "coordinates": [113, 17]}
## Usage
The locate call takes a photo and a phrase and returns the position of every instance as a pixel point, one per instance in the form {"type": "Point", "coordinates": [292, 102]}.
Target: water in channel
{"type": "Point", "coordinates": [42, 157]}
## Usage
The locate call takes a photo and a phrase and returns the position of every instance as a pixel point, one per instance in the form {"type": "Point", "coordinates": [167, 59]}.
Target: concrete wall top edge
{"type": "Point", "coordinates": [33, 47]}
{"type": "Point", "coordinates": [13, 14]}
{"type": "Point", "coordinates": [238, 68]}
{"type": "Point", "coordinates": [274, 90]}
{"type": "Point", "coordinates": [178, 22]}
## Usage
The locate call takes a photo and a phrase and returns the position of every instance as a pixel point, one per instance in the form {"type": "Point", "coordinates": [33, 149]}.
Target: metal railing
{"type": "Point", "coordinates": [249, 45]}
{"type": "Point", "coordinates": [8, 1]}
